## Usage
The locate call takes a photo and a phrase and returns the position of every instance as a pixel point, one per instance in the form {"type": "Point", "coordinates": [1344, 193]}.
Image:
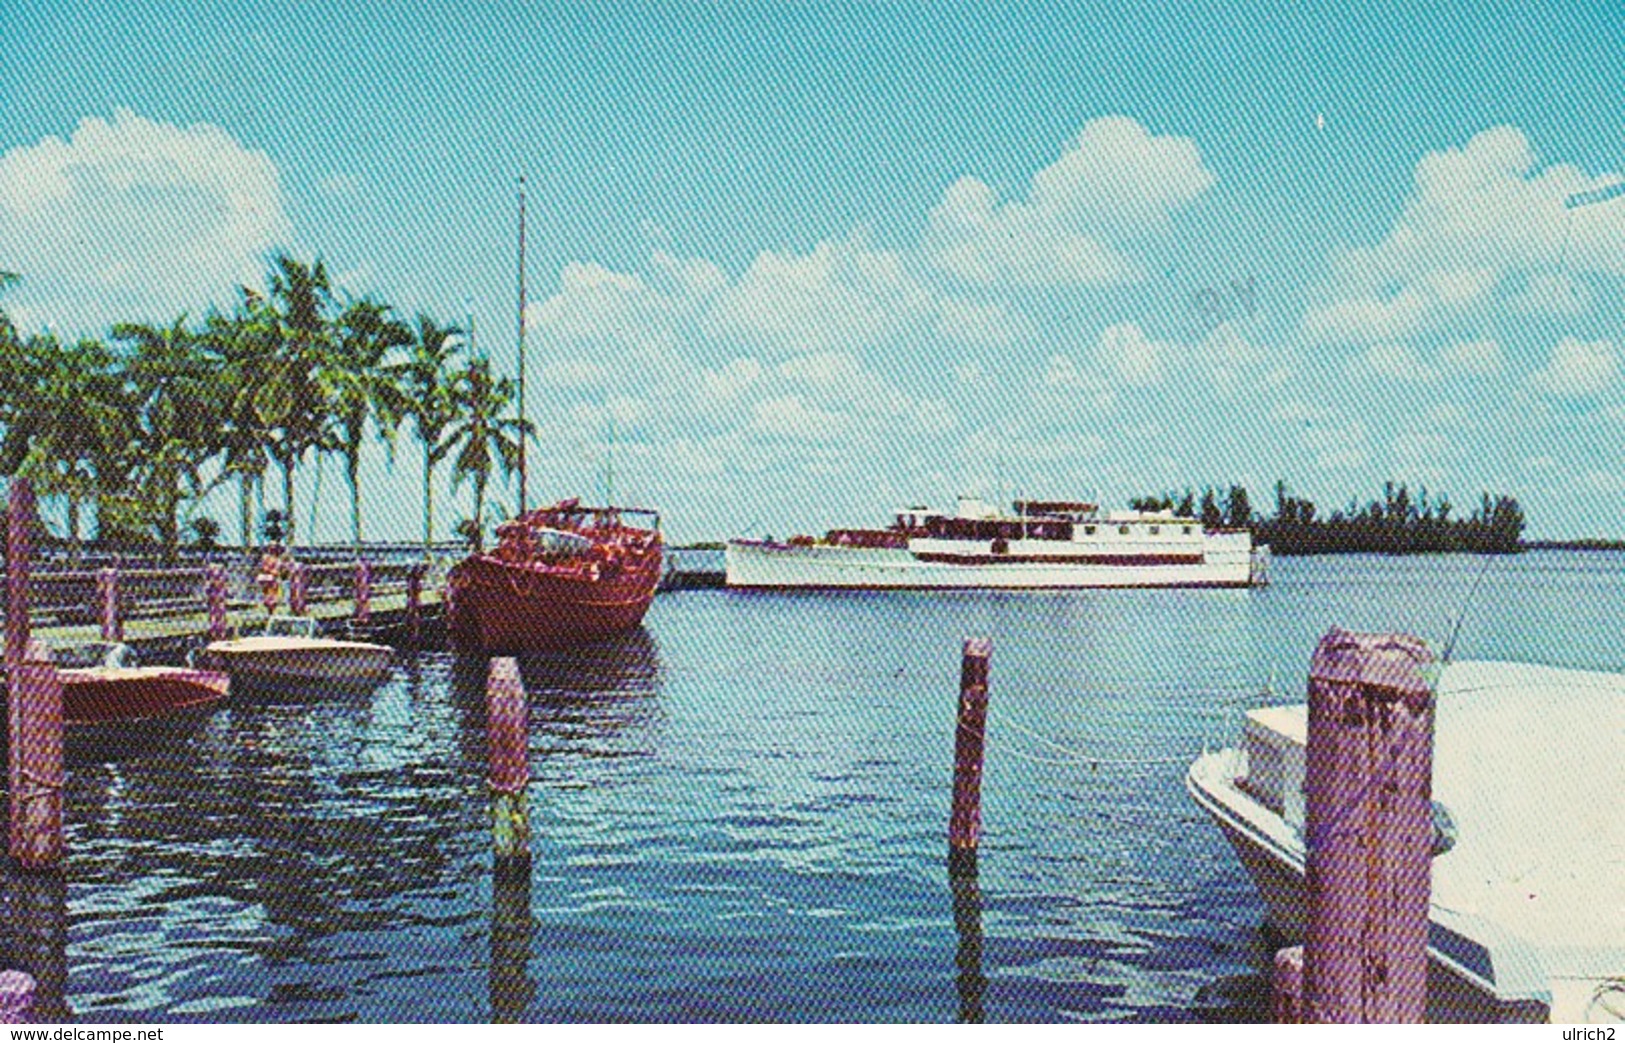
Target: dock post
{"type": "Point", "coordinates": [19, 549]}
{"type": "Point", "coordinates": [298, 589]}
{"type": "Point", "coordinates": [965, 824]}
{"type": "Point", "coordinates": [1288, 990]}
{"type": "Point", "coordinates": [107, 586]}
{"type": "Point", "coordinates": [215, 588]}
{"type": "Point", "coordinates": [16, 997]}
{"type": "Point", "coordinates": [508, 756]}
{"type": "Point", "coordinates": [363, 591]}
{"type": "Point", "coordinates": [414, 602]}
{"type": "Point", "coordinates": [36, 760]}
{"type": "Point", "coordinates": [1368, 829]}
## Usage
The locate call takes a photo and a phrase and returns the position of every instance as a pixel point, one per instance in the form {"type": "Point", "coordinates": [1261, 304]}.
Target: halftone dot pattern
{"type": "Point", "coordinates": [790, 267]}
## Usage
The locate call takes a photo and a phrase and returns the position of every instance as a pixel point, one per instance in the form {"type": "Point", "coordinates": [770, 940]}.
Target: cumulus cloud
{"type": "Point", "coordinates": [131, 218]}
{"type": "Point", "coordinates": [791, 417]}
{"type": "Point", "coordinates": [1480, 357]}
{"type": "Point", "coordinates": [1135, 359]}
{"type": "Point", "coordinates": [1578, 368]}
{"type": "Point", "coordinates": [1476, 215]}
{"type": "Point", "coordinates": [1115, 181]}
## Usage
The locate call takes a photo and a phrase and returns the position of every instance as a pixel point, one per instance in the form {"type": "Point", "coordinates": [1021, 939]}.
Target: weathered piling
{"type": "Point", "coordinates": [509, 983]}
{"type": "Point", "coordinates": [1368, 829]}
{"type": "Point", "coordinates": [34, 935]}
{"type": "Point", "coordinates": [965, 823]}
{"type": "Point", "coordinates": [215, 589]}
{"type": "Point", "coordinates": [16, 997]}
{"type": "Point", "coordinates": [363, 591]}
{"type": "Point", "coordinates": [36, 760]}
{"type": "Point", "coordinates": [508, 738]}
{"type": "Point", "coordinates": [969, 982]}
{"type": "Point", "coordinates": [299, 588]}
{"type": "Point", "coordinates": [107, 587]}
{"type": "Point", "coordinates": [19, 551]}
{"type": "Point", "coordinates": [414, 602]}
{"type": "Point", "coordinates": [1288, 986]}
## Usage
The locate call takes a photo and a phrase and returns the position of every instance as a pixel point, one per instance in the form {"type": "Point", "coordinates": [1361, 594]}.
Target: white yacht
{"type": "Point", "coordinates": [290, 654]}
{"type": "Point", "coordinates": [1042, 544]}
{"type": "Point", "coordinates": [1528, 891]}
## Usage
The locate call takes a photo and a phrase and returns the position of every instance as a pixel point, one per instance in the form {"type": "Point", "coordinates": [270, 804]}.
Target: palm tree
{"type": "Point", "coordinates": [65, 428]}
{"type": "Point", "coordinates": [483, 434]}
{"type": "Point", "coordinates": [244, 349]}
{"type": "Point", "coordinates": [362, 387]}
{"type": "Point", "coordinates": [422, 376]}
{"type": "Point", "coordinates": [170, 393]}
{"type": "Point", "coordinates": [294, 400]}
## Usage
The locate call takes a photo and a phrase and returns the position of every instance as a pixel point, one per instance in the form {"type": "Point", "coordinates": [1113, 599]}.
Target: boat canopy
{"type": "Point", "coordinates": [92, 654]}
{"type": "Point", "coordinates": [290, 626]}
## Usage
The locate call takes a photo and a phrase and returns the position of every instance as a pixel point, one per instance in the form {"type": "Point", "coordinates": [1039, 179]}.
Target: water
{"type": "Point", "coordinates": [740, 814]}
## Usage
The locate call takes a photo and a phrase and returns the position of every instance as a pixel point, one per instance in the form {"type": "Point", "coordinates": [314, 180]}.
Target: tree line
{"type": "Point", "coordinates": [1397, 523]}
{"type": "Point", "coordinates": [151, 419]}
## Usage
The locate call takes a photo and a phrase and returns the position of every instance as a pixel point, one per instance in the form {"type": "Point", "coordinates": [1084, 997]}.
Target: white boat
{"type": "Point", "coordinates": [1041, 545]}
{"type": "Point", "coordinates": [1528, 890]}
{"type": "Point", "coordinates": [289, 654]}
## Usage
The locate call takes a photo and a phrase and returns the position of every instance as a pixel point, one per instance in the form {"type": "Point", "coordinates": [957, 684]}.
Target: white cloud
{"type": "Point", "coordinates": [1067, 384]}
{"type": "Point", "coordinates": [1578, 368]}
{"type": "Point", "coordinates": [731, 380]}
{"type": "Point", "coordinates": [1480, 357]}
{"type": "Point", "coordinates": [791, 417]}
{"type": "Point", "coordinates": [136, 219]}
{"type": "Point", "coordinates": [825, 369]}
{"type": "Point", "coordinates": [1397, 362]}
{"type": "Point", "coordinates": [990, 323]}
{"type": "Point", "coordinates": [573, 372]}
{"type": "Point", "coordinates": [1115, 181]}
{"type": "Point", "coordinates": [1476, 216]}
{"type": "Point", "coordinates": [1135, 359]}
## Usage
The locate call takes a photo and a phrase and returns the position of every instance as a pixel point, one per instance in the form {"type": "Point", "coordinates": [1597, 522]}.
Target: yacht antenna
{"type": "Point", "coordinates": [522, 436]}
{"type": "Point", "coordinates": [1455, 631]}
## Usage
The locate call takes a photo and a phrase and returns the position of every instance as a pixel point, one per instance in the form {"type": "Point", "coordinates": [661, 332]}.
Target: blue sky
{"type": "Point", "coordinates": [813, 262]}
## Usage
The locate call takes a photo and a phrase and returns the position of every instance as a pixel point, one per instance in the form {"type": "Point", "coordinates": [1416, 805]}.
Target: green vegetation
{"type": "Point", "coordinates": [141, 426]}
{"type": "Point", "coordinates": [1395, 524]}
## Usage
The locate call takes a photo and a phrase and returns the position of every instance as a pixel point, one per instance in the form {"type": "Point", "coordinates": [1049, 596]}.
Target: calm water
{"type": "Point", "coordinates": [740, 813]}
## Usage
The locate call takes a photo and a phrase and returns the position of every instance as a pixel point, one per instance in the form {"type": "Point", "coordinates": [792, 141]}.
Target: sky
{"type": "Point", "coordinates": [791, 266]}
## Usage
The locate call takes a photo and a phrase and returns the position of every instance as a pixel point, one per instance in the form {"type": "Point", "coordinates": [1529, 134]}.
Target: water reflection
{"type": "Point", "coordinates": [512, 927]}
{"type": "Point", "coordinates": [34, 937]}
{"type": "Point", "coordinates": [970, 981]}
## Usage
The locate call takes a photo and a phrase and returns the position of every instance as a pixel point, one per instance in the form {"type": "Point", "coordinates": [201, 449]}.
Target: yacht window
{"type": "Point", "coordinates": [1088, 530]}
{"type": "Point", "coordinates": [1156, 529]}
{"type": "Point", "coordinates": [1186, 530]}
{"type": "Point", "coordinates": [1444, 830]}
{"type": "Point", "coordinates": [1122, 530]}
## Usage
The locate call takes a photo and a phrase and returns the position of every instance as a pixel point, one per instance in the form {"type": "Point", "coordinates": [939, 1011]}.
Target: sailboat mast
{"type": "Point", "coordinates": [522, 438]}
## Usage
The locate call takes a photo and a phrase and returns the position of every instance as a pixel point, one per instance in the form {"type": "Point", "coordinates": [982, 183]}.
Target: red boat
{"type": "Point", "coordinates": [558, 576]}
{"type": "Point", "coordinates": [103, 684]}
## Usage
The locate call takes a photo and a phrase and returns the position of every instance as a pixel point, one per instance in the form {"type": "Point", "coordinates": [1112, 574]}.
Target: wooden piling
{"type": "Point", "coordinates": [298, 588]}
{"type": "Point", "coordinates": [36, 760]}
{"type": "Point", "coordinates": [107, 587]}
{"type": "Point", "coordinates": [508, 738]}
{"type": "Point", "coordinates": [965, 823]}
{"type": "Point", "coordinates": [215, 588]}
{"type": "Point", "coordinates": [363, 591]}
{"type": "Point", "coordinates": [1288, 986]}
{"type": "Point", "coordinates": [19, 551]}
{"type": "Point", "coordinates": [1368, 829]}
{"type": "Point", "coordinates": [414, 602]}
{"type": "Point", "coordinates": [16, 997]}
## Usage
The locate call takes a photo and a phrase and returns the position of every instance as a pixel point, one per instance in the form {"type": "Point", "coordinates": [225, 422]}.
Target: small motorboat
{"type": "Point", "coordinates": [104, 683]}
{"type": "Point", "coordinates": [289, 653]}
{"type": "Point", "coordinates": [1527, 919]}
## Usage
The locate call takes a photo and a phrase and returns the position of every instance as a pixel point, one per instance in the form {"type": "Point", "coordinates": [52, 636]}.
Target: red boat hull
{"type": "Point", "coordinates": [107, 696]}
{"type": "Point", "coordinates": [506, 608]}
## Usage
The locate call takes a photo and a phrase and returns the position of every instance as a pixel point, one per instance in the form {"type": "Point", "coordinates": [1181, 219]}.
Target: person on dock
{"type": "Point", "coordinates": [273, 569]}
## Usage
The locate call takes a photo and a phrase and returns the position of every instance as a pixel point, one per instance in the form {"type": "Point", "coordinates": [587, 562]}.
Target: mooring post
{"type": "Point", "coordinates": [965, 824]}
{"type": "Point", "coordinates": [1288, 986]}
{"type": "Point", "coordinates": [508, 745]}
{"type": "Point", "coordinates": [215, 588]}
{"type": "Point", "coordinates": [363, 591]}
{"type": "Point", "coordinates": [414, 602]}
{"type": "Point", "coordinates": [16, 997]}
{"type": "Point", "coordinates": [19, 549]}
{"type": "Point", "coordinates": [36, 760]}
{"type": "Point", "coordinates": [107, 586]}
{"type": "Point", "coordinates": [298, 588]}
{"type": "Point", "coordinates": [1368, 829]}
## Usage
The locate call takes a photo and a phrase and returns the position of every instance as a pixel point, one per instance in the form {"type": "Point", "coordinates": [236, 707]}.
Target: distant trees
{"type": "Point", "coordinates": [1398, 523]}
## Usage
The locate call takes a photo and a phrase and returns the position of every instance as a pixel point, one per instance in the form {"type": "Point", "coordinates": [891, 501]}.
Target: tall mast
{"type": "Point", "coordinates": [522, 438]}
